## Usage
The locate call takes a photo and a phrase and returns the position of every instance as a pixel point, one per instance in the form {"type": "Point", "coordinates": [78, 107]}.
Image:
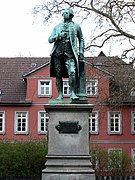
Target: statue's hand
{"type": "Point", "coordinates": [61, 35]}
{"type": "Point", "coordinates": [81, 57]}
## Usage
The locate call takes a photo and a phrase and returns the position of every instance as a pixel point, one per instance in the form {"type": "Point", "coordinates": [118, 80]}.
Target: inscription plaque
{"type": "Point", "coordinates": [68, 127]}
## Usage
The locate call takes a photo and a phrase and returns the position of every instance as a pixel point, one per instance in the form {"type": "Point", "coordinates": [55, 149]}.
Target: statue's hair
{"type": "Point", "coordinates": [70, 12]}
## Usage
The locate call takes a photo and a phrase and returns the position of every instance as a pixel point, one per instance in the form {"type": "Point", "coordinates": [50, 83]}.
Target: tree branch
{"type": "Point", "coordinates": [104, 41]}
{"type": "Point", "coordinates": [112, 21]}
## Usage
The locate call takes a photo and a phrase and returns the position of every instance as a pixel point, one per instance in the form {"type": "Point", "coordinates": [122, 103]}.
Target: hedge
{"type": "Point", "coordinates": [22, 159]}
{"type": "Point", "coordinates": [114, 164]}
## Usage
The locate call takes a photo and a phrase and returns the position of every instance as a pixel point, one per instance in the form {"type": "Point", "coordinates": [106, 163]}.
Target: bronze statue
{"type": "Point", "coordinates": [64, 56]}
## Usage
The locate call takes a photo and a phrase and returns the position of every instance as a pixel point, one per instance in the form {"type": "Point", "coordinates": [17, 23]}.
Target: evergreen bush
{"type": "Point", "coordinates": [22, 159]}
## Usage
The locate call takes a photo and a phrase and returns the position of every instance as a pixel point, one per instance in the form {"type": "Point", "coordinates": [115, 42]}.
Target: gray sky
{"type": "Point", "coordinates": [22, 34]}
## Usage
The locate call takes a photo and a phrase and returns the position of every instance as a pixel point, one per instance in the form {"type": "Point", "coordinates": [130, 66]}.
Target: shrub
{"type": "Point", "coordinates": [25, 159]}
{"type": "Point", "coordinates": [99, 161]}
{"type": "Point", "coordinates": [120, 164]}
{"type": "Point", "coordinates": [114, 164]}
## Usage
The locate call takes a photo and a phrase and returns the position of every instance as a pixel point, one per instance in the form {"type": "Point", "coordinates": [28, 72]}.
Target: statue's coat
{"type": "Point", "coordinates": [75, 34]}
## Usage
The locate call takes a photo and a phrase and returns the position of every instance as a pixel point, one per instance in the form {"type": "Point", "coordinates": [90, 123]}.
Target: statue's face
{"type": "Point", "coordinates": [66, 14]}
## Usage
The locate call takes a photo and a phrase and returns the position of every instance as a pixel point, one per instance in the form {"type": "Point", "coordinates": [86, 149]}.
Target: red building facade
{"type": "Point", "coordinates": [26, 87]}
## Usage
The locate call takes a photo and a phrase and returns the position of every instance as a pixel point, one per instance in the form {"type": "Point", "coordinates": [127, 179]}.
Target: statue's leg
{"type": "Point", "coordinates": [70, 65]}
{"type": "Point", "coordinates": [59, 83]}
{"type": "Point", "coordinates": [72, 87]}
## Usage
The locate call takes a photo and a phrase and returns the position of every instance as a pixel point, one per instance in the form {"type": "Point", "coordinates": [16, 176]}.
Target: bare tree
{"type": "Point", "coordinates": [114, 20]}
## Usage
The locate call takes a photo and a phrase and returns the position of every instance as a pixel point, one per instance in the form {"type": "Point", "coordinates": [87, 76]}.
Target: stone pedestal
{"type": "Point", "coordinates": [68, 144]}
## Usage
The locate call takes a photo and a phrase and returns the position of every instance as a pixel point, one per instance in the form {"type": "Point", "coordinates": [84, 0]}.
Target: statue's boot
{"type": "Point", "coordinates": [72, 87]}
{"type": "Point", "coordinates": [59, 85]}
{"type": "Point", "coordinates": [73, 96]}
{"type": "Point", "coordinates": [60, 96]}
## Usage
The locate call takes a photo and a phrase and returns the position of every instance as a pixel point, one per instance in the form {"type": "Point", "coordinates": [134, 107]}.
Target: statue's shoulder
{"type": "Point", "coordinates": [75, 25]}
{"type": "Point", "coordinates": [59, 25]}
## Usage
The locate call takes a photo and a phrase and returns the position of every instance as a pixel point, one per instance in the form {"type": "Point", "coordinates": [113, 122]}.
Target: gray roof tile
{"type": "Point", "coordinates": [12, 84]}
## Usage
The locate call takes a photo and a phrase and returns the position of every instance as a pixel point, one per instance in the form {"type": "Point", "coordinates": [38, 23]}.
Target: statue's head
{"type": "Point", "coordinates": [68, 13]}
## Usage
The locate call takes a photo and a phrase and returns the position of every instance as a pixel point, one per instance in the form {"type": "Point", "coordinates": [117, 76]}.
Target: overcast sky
{"type": "Point", "coordinates": [22, 34]}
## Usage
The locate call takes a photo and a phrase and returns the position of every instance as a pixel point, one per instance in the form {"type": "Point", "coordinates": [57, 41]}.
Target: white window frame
{"type": "Point", "coordinates": [115, 119]}
{"type": "Point", "coordinates": [133, 158]}
{"type": "Point", "coordinates": [44, 94]}
{"type": "Point", "coordinates": [114, 149]}
{"type": "Point", "coordinates": [66, 85]}
{"type": "Point", "coordinates": [46, 120]}
{"type": "Point", "coordinates": [16, 123]}
{"type": "Point", "coordinates": [132, 122]}
{"type": "Point", "coordinates": [93, 119]}
{"type": "Point", "coordinates": [132, 93]}
{"type": "Point", "coordinates": [91, 87]}
{"type": "Point", "coordinates": [2, 121]}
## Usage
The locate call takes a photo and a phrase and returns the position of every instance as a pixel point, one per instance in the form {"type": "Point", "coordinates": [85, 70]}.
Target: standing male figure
{"type": "Point", "coordinates": [64, 55]}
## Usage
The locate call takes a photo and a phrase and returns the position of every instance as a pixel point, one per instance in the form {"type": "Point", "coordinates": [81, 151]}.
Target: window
{"type": "Point", "coordinates": [21, 122]}
{"type": "Point", "coordinates": [43, 119]}
{"type": "Point", "coordinates": [44, 88]}
{"type": "Point", "coordinates": [115, 158]}
{"type": "Point", "coordinates": [92, 88]}
{"type": "Point", "coordinates": [114, 123]}
{"type": "Point", "coordinates": [93, 122]}
{"type": "Point", "coordinates": [133, 157]}
{"type": "Point", "coordinates": [2, 122]}
{"type": "Point", "coordinates": [132, 93]}
{"type": "Point", "coordinates": [133, 122]}
{"type": "Point", "coordinates": [66, 88]}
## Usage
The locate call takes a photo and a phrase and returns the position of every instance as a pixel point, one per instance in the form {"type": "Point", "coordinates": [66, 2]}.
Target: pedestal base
{"type": "Point", "coordinates": [68, 168]}
{"type": "Point", "coordinates": [68, 177]}
{"type": "Point", "coordinates": [68, 144]}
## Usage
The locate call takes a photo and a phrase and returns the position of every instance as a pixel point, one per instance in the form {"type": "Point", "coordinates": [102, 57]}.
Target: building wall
{"type": "Point", "coordinates": [125, 140]}
{"type": "Point", "coordinates": [38, 102]}
{"type": "Point", "coordinates": [32, 134]}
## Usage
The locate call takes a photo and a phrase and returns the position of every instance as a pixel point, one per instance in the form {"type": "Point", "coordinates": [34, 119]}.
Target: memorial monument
{"type": "Point", "coordinates": [68, 144]}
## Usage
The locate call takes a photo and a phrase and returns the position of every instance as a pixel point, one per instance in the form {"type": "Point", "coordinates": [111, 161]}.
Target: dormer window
{"type": "Point", "coordinates": [44, 88]}
{"type": "Point", "coordinates": [66, 88]}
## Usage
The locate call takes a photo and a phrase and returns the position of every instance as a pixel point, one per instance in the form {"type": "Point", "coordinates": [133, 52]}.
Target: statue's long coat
{"type": "Point", "coordinates": [76, 37]}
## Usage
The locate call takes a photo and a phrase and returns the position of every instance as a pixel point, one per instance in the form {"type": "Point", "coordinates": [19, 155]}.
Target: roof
{"type": "Point", "coordinates": [14, 70]}
{"type": "Point", "coordinates": [12, 84]}
{"type": "Point", "coordinates": [123, 77]}
{"type": "Point", "coordinates": [35, 70]}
